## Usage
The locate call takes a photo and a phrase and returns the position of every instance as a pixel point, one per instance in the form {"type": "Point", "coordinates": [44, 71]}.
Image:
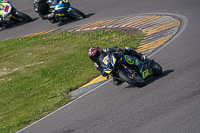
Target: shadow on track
{"type": "Point", "coordinates": [17, 24]}
{"type": "Point", "coordinates": [152, 79]}
{"type": "Point", "coordinates": [73, 20]}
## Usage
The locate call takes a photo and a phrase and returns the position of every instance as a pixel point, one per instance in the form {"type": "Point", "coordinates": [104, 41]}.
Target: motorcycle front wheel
{"type": "Point", "coordinates": [156, 68]}
{"type": "Point", "coordinates": [76, 14]}
{"type": "Point", "coordinates": [22, 17]}
{"type": "Point", "coordinates": [135, 79]}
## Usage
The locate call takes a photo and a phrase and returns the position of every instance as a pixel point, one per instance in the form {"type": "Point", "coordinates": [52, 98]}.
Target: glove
{"type": "Point", "coordinates": [96, 65]}
{"type": "Point", "coordinates": [51, 15]}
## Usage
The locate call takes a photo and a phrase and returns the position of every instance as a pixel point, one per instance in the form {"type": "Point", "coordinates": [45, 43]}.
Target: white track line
{"type": "Point", "coordinates": [64, 106]}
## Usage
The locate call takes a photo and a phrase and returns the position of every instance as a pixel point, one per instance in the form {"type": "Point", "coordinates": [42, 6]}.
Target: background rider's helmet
{"type": "Point", "coordinates": [94, 53]}
{"type": "Point", "coordinates": [40, 6]}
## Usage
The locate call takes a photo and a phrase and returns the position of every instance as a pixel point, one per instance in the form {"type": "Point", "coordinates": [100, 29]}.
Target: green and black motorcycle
{"type": "Point", "coordinates": [129, 68]}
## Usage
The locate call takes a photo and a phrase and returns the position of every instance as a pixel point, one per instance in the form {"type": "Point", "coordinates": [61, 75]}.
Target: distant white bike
{"type": "Point", "coordinates": [10, 15]}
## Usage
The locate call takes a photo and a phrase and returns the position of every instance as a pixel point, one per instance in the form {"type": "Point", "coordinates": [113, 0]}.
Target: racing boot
{"type": "Point", "coordinates": [47, 16]}
{"type": "Point", "coordinates": [62, 20]}
{"type": "Point", "coordinates": [117, 82]}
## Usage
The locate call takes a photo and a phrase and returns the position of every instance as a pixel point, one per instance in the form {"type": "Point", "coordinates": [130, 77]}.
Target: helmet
{"type": "Point", "coordinates": [94, 53]}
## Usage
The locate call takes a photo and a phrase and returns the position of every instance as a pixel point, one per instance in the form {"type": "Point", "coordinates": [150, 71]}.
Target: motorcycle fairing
{"type": "Point", "coordinates": [105, 63]}
{"type": "Point", "coordinates": [132, 60]}
{"type": "Point", "coordinates": [113, 59]}
{"type": "Point", "coordinates": [61, 7]}
{"type": "Point", "coordinates": [109, 61]}
{"type": "Point", "coordinates": [145, 73]}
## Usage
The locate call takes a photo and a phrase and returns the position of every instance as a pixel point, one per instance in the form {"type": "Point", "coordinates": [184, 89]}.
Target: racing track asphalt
{"type": "Point", "coordinates": [167, 104]}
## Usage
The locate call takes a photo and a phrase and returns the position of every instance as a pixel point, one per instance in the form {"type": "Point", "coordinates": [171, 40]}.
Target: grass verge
{"type": "Point", "coordinates": [37, 73]}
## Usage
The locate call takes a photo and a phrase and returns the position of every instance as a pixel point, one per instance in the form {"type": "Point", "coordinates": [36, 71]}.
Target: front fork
{"type": "Point", "coordinates": [70, 13]}
{"type": "Point", "coordinates": [129, 71]}
{"type": "Point", "coordinates": [14, 15]}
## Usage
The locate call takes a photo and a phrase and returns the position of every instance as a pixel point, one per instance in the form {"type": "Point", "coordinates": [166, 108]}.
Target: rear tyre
{"type": "Point", "coordinates": [135, 79]}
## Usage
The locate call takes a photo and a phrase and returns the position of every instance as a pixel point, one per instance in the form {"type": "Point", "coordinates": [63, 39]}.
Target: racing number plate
{"type": "Point", "coordinates": [145, 73]}
{"type": "Point", "coordinates": [7, 9]}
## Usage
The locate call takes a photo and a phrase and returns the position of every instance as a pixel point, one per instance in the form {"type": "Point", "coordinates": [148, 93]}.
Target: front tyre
{"type": "Point", "coordinates": [75, 13]}
{"type": "Point", "coordinates": [133, 79]}
{"type": "Point", "coordinates": [156, 68]}
{"type": "Point", "coordinates": [23, 17]}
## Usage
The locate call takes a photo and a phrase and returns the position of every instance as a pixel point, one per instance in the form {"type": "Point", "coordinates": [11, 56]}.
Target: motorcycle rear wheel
{"type": "Point", "coordinates": [135, 80]}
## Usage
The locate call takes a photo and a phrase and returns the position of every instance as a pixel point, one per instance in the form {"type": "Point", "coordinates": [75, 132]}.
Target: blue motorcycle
{"type": "Point", "coordinates": [129, 68]}
{"type": "Point", "coordinates": [57, 10]}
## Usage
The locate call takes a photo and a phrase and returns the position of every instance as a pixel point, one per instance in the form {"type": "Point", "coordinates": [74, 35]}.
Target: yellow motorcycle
{"type": "Point", "coordinates": [9, 15]}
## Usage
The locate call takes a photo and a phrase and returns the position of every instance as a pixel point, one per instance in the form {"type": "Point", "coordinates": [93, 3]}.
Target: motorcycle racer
{"type": "Point", "coordinates": [56, 7]}
{"type": "Point", "coordinates": [95, 52]}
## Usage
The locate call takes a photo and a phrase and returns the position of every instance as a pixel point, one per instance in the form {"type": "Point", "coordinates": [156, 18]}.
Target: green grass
{"type": "Point", "coordinates": [37, 73]}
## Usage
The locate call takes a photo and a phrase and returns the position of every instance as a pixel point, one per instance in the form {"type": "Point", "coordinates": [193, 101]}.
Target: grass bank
{"type": "Point", "coordinates": [37, 73]}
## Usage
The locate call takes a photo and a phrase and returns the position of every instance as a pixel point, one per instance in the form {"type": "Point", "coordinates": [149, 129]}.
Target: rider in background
{"type": "Point", "coordinates": [57, 7]}
{"type": "Point", "coordinates": [95, 52]}
{"type": "Point", "coordinates": [4, 17]}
